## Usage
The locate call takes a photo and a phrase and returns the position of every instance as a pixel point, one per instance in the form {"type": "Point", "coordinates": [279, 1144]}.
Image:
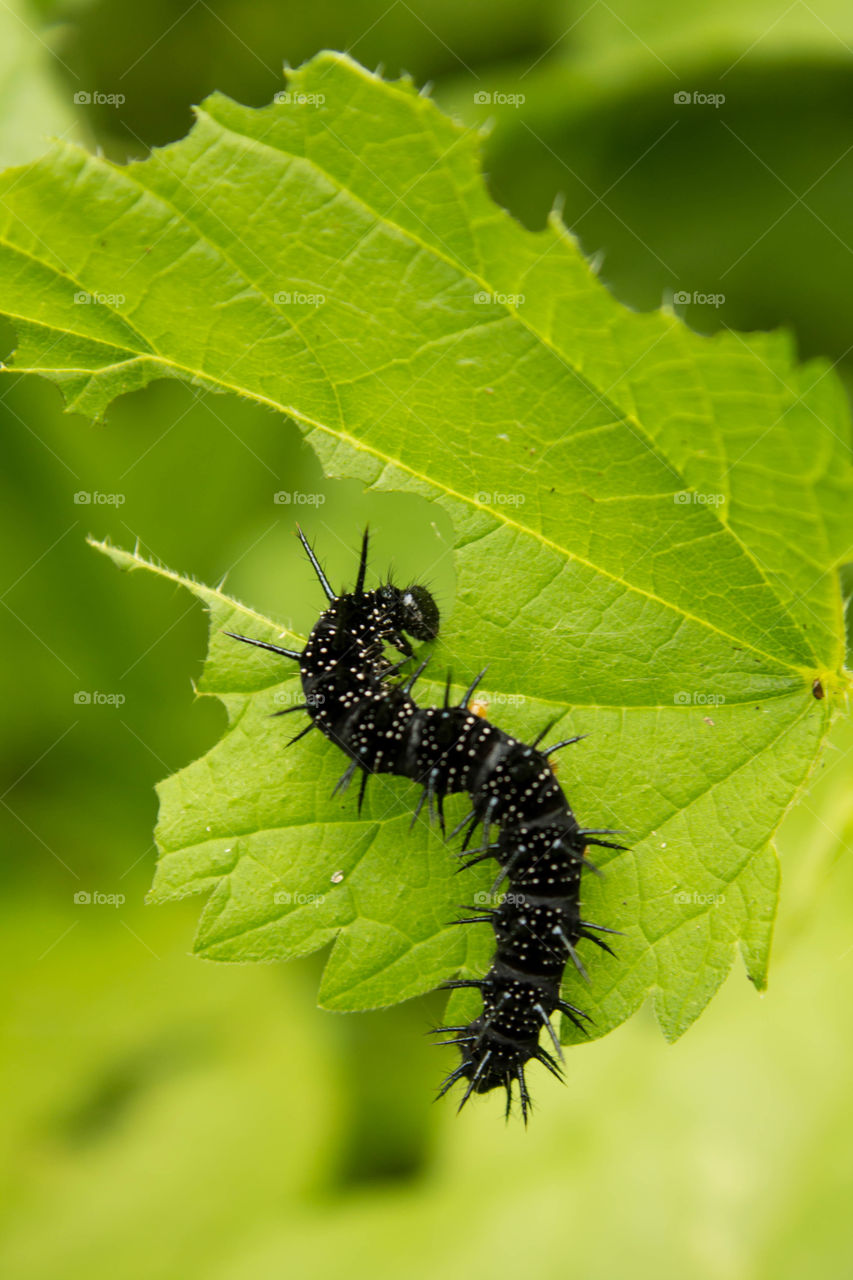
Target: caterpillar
{"type": "Point", "coordinates": [357, 697]}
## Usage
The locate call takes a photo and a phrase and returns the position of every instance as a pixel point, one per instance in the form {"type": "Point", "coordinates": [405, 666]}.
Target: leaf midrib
{"type": "Point", "coordinates": [627, 419]}
{"type": "Point", "coordinates": [109, 549]}
{"type": "Point", "coordinates": [623, 416]}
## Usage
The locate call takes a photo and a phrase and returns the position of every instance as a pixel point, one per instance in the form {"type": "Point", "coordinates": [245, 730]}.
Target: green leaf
{"type": "Point", "coordinates": [289, 866]}
{"type": "Point", "coordinates": [691, 199]}
{"type": "Point", "coordinates": [291, 869]}
{"type": "Point", "coordinates": [647, 525]}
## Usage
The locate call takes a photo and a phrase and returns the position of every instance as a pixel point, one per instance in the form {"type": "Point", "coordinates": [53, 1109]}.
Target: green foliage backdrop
{"type": "Point", "coordinates": [646, 522]}
{"type": "Point", "coordinates": [257, 1134]}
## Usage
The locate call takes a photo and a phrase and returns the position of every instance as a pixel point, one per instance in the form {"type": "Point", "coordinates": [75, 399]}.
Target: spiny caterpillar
{"type": "Point", "coordinates": [356, 697]}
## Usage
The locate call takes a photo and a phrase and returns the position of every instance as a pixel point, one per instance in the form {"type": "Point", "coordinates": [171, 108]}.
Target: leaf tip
{"type": "Point", "coordinates": [756, 961]}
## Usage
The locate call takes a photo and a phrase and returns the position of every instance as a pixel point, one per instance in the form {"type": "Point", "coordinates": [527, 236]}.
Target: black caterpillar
{"type": "Point", "coordinates": [353, 698]}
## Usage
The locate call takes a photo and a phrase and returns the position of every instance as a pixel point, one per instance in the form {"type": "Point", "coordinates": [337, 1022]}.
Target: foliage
{"type": "Point", "coordinates": [647, 522]}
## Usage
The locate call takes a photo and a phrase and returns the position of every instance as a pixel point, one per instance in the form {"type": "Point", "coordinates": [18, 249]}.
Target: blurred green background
{"type": "Point", "coordinates": [170, 1118]}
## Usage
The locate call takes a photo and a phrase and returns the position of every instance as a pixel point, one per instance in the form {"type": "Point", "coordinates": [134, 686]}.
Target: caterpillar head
{"type": "Point", "coordinates": [411, 609]}
{"type": "Point", "coordinates": [420, 613]}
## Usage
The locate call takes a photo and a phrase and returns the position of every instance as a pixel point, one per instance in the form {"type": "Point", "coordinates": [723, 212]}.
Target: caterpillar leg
{"type": "Point", "coordinates": [346, 777]}
{"type": "Point", "coordinates": [362, 564]}
{"type": "Point", "coordinates": [469, 692]}
{"type": "Point", "coordinates": [566, 742]}
{"type": "Point", "coordinates": [301, 734]}
{"type": "Point", "coordinates": [262, 644]}
{"type": "Point", "coordinates": [364, 777]}
{"type": "Point", "coordinates": [523, 1095]}
{"type": "Point", "coordinates": [315, 564]}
